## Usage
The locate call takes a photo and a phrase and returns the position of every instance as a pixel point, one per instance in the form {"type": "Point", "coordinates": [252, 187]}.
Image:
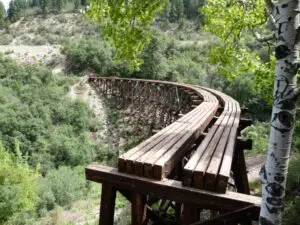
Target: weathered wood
{"type": "Point", "coordinates": [155, 217]}
{"type": "Point", "coordinates": [107, 205]}
{"type": "Point", "coordinates": [245, 123]}
{"type": "Point", "coordinates": [237, 216]}
{"type": "Point", "coordinates": [240, 173]}
{"type": "Point", "coordinates": [216, 160]}
{"type": "Point", "coordinates": [166, 163]}
{"type": "Point", "coordinates": [192, 163]}
{"type": "Point", "coordinates": [225, 169]}
{"type": "Point", "coordinates": [138, 209]}
{"type": "Point", "coordinates": [191, 214]}
{"type": "Point", "coordinates": [242, 144]}
{"type": "Point", "coordinates": [170, 189]}
{"type": "Point", "coordinates": [178, 211]}
{"type": "Point", "coordinates": [198, 177]}
{"type": "Point", "coordinates": [164, 205]}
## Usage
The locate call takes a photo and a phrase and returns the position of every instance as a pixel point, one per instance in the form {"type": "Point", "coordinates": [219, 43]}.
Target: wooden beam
{"type": "Point", "coordinates": [107, 207]}
{"type": "Point", "coordinates": [245, 123]}
{"type": "Point", "coordinates": [242, 144]}
{"type": "Point", "coordinates": [240, 173]}
{"type": "Point", "coordinates": [234, 217]}
{"type": "Point", "coordinates": [178, 210]}
{"type": "Point", "coordinates": [155, 217]}
{"type": "Point", "coordinates": [138, 209]}
{"type": "Point", "coordinates": [191, 214]}
{"type": "Point", "coordinates": [244, 110]}
{"type": "Point", "coordinates": [170, 189]}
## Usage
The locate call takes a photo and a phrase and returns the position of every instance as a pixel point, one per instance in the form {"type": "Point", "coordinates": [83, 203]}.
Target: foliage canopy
{"type": "Point", "coordinates": [126, 24]}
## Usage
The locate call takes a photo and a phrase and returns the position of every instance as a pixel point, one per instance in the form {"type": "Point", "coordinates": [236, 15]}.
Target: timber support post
{"type": "Point", "coordinates": [186, 165]}
{"type": "Point", "coordinates": [138, 209]}
{"type": "Point", "coordinates": [107, 206]}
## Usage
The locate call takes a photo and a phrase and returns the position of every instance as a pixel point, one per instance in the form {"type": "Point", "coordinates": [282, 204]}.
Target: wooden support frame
{"type": "Point", "coordinates": [240, 173]}
{"type": "Point", "coordinates": [191, 214]}
{"type": "Point", "coordinates": [242, 144]}
{"type": "Point", "coordinates": [187, 200]}
{"type": "Point", "coordinates": [107, 206]}
{"type": "Point", "coordinates": [237, 216]}
{"type": "Point", "coordinates": [138, 209]}
{"type": "Point", "coordinates": [171, 189]}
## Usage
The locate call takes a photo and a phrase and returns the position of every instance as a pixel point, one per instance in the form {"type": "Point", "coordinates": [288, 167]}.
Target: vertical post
{"type": "Point", "coordinates": [178, 211]}
{"type": "Point", "coordinates": [138, 209]}
{"type": "Point", "coordinates": [191, 214]}
{"type": "Point", "coordinates": [240, 176]}
{"type": "Point", "coordinates": [107, 207]}
{"type": "Point", "coordinates": [240, 172]}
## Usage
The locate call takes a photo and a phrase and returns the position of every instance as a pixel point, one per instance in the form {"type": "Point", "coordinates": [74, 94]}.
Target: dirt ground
{"type": "Point", "coordinates": [254, 164]}
{"type": "Point", "coordinates": [44, 54]}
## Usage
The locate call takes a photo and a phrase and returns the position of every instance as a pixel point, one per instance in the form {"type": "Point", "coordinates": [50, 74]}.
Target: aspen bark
{"type": "Point", "coordinates": [274, 173]}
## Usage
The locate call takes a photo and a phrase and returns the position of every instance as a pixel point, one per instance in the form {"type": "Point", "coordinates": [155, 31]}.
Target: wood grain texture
{"type": "Point", "coordinates": [170, 189]}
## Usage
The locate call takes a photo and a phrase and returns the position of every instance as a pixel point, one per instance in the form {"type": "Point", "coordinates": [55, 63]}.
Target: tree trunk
{"type": "Point", "coordinates": [274, 173]}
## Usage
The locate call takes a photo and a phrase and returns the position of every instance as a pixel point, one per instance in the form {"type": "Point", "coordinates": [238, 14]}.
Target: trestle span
{"type": "Point", "coordinates": [189, 160]}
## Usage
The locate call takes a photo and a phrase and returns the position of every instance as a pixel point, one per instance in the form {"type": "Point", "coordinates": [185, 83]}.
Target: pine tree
{"type": "Point", "coordinates": [2, 13]}
{"type": "Point", "coordinates": [13, 11]}
{"type": "Point", "coordinates": [44, 4]}
{"type": "Point", "coordinates": [76, 4]}
{"type": "Point", "coordinates": [177, 10]}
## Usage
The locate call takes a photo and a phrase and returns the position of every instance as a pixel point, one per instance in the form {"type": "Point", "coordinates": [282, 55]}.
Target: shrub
{"type": "Point", "coordinates": [18, 185]}
{"type": "Point", "coordinates": [258, 133]}
{"type": "Point", "coordinates": [89, 54]}
{"type": "Point", "coordinates": [51, 128]}
{"type": "Point", "coordinates": [5, 39]}
{"type": "Point", "coordinates": [62, 186]}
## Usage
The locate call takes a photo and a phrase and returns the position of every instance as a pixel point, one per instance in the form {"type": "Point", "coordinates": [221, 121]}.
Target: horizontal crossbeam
{"type": "Point", "coordinates": [234, 217]}
{"type": "Point", "coordinates": [171, 189]}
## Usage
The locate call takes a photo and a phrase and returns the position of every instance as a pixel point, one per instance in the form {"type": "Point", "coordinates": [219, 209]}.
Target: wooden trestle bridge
{"type": "Point", "coordinates": [193, 165]}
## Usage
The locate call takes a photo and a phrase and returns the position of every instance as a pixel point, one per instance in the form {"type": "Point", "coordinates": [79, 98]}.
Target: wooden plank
{"type": "Point", "coordinates": [160, 152]}
{"type": "Point", "coordinates": [225, 169]}
{"type": "Point", "coordinates": [216, 160]}
{"type": "Point", "coordinates": [211, 172]}
{"type": "Point", "coordinates": [170, 189]}
{"type": "Point", "coordinates": [138, 209]}
{"type": "Point", "coordinates": [107, 205]}
{"type": "Point", "coordinates": [198, 174]}
{"type": "Point", "coordinates": [138, 164]}
{"type": "Point", "coordinates": [189, 116]}
{"type": "Point", "coordinates": [165, 164]}
{"type": "Point", "coordinates": [192, 163]}
{"type": "Point", "coordinates": [134, 153]}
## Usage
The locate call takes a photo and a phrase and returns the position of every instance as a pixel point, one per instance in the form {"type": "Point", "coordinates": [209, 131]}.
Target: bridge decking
{"type": "Point", "coordinates": [167, 165]}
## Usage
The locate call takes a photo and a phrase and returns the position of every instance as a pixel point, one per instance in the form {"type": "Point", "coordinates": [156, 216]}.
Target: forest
{"type": "Point", "coordinates": [47, 138]}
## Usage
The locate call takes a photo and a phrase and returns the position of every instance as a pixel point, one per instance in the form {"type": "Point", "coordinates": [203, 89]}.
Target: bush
{"type": "Point", "coordinates": [62, 186]}
{"type": "Point", "coordinates": [258, 133]}
{"type": "Point", "coordinates": [18, 185]}
{"type": "Point", "coordinates": [89, 54]}
{"type": "Point", "coordinates": [5, 39]}
{"type": "Point", "coordinates": [51, 128]}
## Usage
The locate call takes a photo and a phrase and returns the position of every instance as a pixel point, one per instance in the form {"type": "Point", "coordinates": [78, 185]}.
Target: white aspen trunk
{"type": "Point", "coordinates": [274, 173]}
